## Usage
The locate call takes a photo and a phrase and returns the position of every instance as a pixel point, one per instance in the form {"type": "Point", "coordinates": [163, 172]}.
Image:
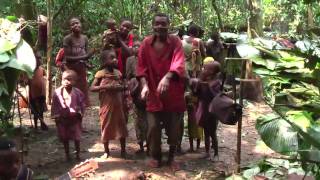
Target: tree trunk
{"type": "Point", "coordinates": [310, 16]}
{"type": "Point", "coordinates": [49, 52]}
{"type": "Point", "coordinates": [215, 7]}
{"type": "Point", "coordinates": [255, 17]}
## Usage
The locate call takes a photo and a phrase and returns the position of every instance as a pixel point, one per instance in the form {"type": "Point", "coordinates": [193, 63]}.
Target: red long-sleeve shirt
{"type": "Point", "coordinates": [155, 65]}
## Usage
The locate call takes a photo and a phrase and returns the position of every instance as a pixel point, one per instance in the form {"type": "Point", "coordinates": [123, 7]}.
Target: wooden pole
{"type": "Point", "coordinates": [49, 52]}
{"type": "Point", "coordinates": [238, 157]}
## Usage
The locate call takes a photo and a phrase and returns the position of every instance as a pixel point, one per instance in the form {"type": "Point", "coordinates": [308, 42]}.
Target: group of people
{"type": "Point", "coordinates": [164, 76]}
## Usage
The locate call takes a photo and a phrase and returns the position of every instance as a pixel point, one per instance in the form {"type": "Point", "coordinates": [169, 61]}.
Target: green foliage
{"type": "Point", "coordinates": [16, 57]}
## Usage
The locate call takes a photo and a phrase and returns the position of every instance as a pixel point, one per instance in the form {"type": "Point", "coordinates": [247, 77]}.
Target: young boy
{"type": "Point", "coordinates": [135, 91]}
{"type": "Point", "coordinates": [67, 109]}
{"type": "Point", "coordinates": [37, 94]}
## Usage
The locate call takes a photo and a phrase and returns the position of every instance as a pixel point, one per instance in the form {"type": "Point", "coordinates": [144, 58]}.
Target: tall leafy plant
{"type": "Point", "coordinates": [16, 57]}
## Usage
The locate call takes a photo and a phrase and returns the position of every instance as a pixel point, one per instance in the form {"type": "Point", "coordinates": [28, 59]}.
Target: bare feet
{"type": "Point", "coordinates": [153, 163]}
{"type": "Point", "coordinates": [105, 156]}
{"type": "Point", "coordinates": [174, 165]}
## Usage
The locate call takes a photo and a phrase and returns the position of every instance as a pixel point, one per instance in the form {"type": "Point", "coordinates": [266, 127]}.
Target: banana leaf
{"type": "Point", "coordinates": [310, 155]}
{"type": "Point", "coordinates": [4, 57]}
{"type": "Point", "coordinates": [277, 134]}
{"type": "Point", "coordinates": [23, 59]}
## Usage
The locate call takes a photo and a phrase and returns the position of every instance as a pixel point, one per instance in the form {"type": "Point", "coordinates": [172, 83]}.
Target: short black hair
{"type": "Point", "coordinates": [160, 14]}
{"type": "Point", "coordinates": [74, 17]}
{"type": "Point", "coordinates": [193, 29]}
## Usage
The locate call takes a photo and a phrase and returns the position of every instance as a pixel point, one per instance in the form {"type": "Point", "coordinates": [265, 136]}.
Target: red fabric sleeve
{"type": "Point", "coordinates": [59, 57]}
{"type": "Point", "coordinates": [177, 63]}
{"type": "Point", "coordinates": [141, 65]}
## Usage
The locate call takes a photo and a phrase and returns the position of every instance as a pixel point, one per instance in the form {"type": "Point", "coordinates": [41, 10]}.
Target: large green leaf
{"type": "Point", "coordinates": [277, 134]}
{"type": "Point", "coordinates": [23, 59]}
{"type": "Point", "coordinates": [310, 155]}
{"type": "Point", "coordinates": [4, 57]}
{"type": "Point", "coordinates": [9, 35]}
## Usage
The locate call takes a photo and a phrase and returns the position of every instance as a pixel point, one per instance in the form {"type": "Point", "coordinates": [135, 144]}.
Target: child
{"type": "Point", "coordinates": [206, 87]}
{"type": "Point", "coordinates": [68, 104]}
{"type": "Point", "coordinates": [76, 54]}
{"type": "Point", "coordinates": [135, 91]}
{"type": "Point", "coordinates": [109, 85]}
{"type": "Point", "coordinates": [37, 94]}
{"type": "Point", "coordinates": [215, 47]}
{"type": "Point", "coordinates": [10, 167]}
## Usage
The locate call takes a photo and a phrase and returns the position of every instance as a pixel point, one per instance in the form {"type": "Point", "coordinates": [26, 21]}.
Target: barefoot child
{"type": "Point", "coordinates": [206, 88]}
{"type": "Point", "coordinates": [135, 91]}
{"type": "Point", "coordinates": [37, 94]}
{"type": "Point", "coordinates": [68, 104]}
{"type": "Point", "coordinates": [110, 87]}
{"type": "Point", "coordinates": [76, 54]}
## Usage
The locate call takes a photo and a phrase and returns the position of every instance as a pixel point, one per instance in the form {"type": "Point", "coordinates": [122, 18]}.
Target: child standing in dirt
{"type": "Point", "coordinates": [108, 82]}
{"type": "Point", "coordinates": [37, 94]}
{"type": "Point", "coordinates": [206, 87]}
{"type": "Point", "coordinates": [135, 91]}
{"type": "Point", "coordinates": [68, 104]}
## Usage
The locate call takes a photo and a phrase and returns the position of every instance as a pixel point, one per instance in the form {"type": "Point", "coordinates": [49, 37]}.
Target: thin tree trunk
{"type": "Point", "coordinates": [49, 52]}
{"type": "Point", "coordinates": [310, 16]}
{"type": "Point", "coordinates": [255, 17]}
{"type": "Point", "coordinates": [215, 7]}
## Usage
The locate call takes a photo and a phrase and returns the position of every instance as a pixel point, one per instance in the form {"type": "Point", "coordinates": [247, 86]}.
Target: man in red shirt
{"type": "Point", "coordinates": [161, 69]}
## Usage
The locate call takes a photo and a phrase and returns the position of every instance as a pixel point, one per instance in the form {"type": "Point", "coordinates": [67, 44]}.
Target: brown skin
{"type": "Point", "coordinates": [110, 63]}
{"type": "Point", "coordinates": [125, 28]}
{"type": "Point", "coordinates": [160, 28]}
{"type": "Point", "coordinates": [135, 48]}
{"type": "Point", "coordinates": [75, 27]}
{"type": "Point", "coordinates": [68, 81]}
{"type": "Point", "coordinates": [9, 164]}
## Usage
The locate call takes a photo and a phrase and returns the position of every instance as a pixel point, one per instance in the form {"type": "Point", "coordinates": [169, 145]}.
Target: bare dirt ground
{"type": "Point", "coordinates": [46, 155]}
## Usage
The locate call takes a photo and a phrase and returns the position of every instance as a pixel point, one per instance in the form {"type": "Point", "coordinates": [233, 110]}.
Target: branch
{"type": "Point", "coordinates": [59, 10]}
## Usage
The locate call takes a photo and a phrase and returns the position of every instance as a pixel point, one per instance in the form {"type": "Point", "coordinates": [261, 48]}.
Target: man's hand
{"type": "Point", "coordinates": [163, 85]}
{"type": "Point", "coordinates": [144, 92]}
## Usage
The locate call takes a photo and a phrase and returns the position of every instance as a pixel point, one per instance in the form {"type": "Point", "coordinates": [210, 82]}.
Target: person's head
{"type": "Point", "coordinates": [136, 46]}
{"type": "Point", "coordinates": [111, 24]}
{"type": "Point", "coordinates": [110, 37]}
{"type": "Point", "coordinates": [215, 36]}
{"type": "Point", "coordinates": [9, 159]}
{"type": "Point", "coordinates": [109, 59]}
{"type": "Point", "coordinates": [75, 25]}
{"type": "Point", "coordinates": [69, 78]}
{"type": "Point", "coordinates": [210, 70]}
{"type": "Point", "coordinates": [193, 30]}
{"type": "Point", "coordinates": [125, 27]}
{"type": "Point", "coordinates": [160, 24]}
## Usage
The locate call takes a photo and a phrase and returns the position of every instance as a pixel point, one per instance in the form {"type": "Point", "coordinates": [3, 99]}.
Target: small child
{"type": "Point", "coordinates": [37, 94]}
{"type": "Point", "coordinates": [10, 166]}
{"type": "Point", "coordinates": [215, 47]}
{"type": "Point", "coordinates": [135, 91]}
{"type": "Point", "coordinates": [68, 104]}
{"type": "Point", "coordinates": [206, 87]}
{"type": "Point", "coordinates": [108, 82]}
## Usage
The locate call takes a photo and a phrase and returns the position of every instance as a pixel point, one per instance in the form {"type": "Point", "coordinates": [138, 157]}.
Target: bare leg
{"type": "Point", "coordinates": [77, 145]}
{"type": "Point", "coordinates": [141, 150]}
{"type": "Point", "coordinates": [123, 147]}
{"type": "Point", "coordinates": [191, 144]}
{"type": "Point", "coordinates": [106, 148]}
{"type": "Point", "coordinates": [198, 143]}
{"type": "Point", "coordinates": [66, 150]}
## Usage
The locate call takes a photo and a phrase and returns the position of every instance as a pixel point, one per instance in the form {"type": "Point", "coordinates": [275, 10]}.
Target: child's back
{"type": "Point", "coordinates": [37, 83]}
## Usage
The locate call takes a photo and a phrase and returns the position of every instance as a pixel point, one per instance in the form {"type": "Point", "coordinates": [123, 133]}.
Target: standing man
{"type": "Point", "coordinates": [161, 69]}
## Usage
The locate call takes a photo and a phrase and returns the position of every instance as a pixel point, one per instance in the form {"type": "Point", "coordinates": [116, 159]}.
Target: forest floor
{"type": "Point", "coordinates": [46, 155]}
